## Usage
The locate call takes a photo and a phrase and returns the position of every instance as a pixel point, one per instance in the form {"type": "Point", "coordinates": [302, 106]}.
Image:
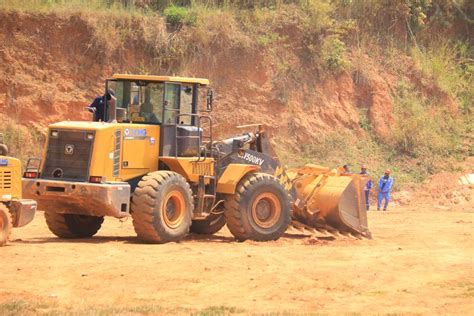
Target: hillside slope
{"type": "Point", "coordinates": [53, 64]}
{"type": "Point", "coordinates": [51, 73]}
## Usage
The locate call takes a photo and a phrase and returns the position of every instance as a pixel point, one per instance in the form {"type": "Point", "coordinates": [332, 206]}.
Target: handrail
{"type": "Point", "coordinates": [202, 150]}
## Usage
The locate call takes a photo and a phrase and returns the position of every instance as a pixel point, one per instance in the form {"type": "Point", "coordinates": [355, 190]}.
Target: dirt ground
{"type": "Point", "coordinates": [419, 261]}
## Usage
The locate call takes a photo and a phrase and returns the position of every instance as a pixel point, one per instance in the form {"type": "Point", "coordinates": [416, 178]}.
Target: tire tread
{"type": "Point", "coordinates": [234, 214]}
{"type": "Point", "coordinates": [144, 205]}
{"type": "Point", "coordinates": [7, 229]}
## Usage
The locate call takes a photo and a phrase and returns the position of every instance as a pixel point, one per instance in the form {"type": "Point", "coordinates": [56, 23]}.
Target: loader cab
{"type": "Point", "coordinates": [154, 102]}
{"type": "Point", "coordinates": [170, 102]}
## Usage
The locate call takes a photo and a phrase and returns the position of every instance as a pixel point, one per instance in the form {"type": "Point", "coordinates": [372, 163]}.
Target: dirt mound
{"type": "Point", "coordinates": [445, 191]}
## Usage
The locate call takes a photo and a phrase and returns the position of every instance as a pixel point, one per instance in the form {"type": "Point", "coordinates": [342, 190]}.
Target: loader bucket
{"type": "Point", "coordinates": [330, 201]}
{"type": "Point", "coordinates": [342, 204]}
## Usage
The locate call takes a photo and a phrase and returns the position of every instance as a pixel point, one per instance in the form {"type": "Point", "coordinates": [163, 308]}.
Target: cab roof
{"type": "Point", "coordinates": [202, 82]}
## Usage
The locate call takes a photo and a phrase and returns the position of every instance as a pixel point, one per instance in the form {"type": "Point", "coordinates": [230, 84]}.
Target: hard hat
{"type": "Point", "coordinates": [388, 171]}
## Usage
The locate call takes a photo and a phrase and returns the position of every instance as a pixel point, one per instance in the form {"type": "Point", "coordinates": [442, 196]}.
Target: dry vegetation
{"type": "Point", "coordinates": [424, 46]}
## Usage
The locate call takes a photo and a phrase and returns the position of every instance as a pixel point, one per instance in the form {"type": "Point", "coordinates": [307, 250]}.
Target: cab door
{"type": "Point", "coordinates": [171, 110]}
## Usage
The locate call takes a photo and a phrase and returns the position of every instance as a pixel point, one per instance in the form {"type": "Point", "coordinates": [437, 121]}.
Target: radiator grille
{"type": "Point", "coordinates": [118, 139]}
{"type": "Point", "coordinates": [68, 155]}
{"type": "Point", "coordinates": [203, 168]}
{"type": "Point", "coordinates": [5, 180]}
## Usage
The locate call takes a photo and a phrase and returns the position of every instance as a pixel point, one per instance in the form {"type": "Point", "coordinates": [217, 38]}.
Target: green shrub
{"type": "Point", "coordinates": [333, 54]}
{"type": "Point", "coordinates": [269, 39]}
{"type": "Point", "coordinates": [364, 121]}
{"type": "Point", "coordinates": [281, 82]}
{"type": "Point", "coordinates": [179, 16]}
{"type": "Point", "coordinates": [319, 15]}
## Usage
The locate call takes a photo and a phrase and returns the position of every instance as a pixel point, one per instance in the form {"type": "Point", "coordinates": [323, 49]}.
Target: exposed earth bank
{"type": "Point", "coordinates": [53, 65]}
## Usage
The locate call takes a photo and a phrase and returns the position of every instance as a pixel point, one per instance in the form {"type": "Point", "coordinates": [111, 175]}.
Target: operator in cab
{"type": "Point", "coordinates": [143, 112]}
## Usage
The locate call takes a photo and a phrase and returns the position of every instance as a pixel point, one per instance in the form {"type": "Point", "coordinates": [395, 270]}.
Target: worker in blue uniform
{"type": "Point", "coordinates": [368, 186]}
{"type": "Point", "coordinates": [98, 106]}
{"type": "Point", "coordinates": [385, 185]}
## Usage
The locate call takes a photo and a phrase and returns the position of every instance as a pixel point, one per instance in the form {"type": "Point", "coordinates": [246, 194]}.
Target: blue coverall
{"type": "Point", "coordinates": [100, 109]}
{"type": "Point", "coordinates": [367, 188]}
{"type": "Point", "coordinates": [385, 185]}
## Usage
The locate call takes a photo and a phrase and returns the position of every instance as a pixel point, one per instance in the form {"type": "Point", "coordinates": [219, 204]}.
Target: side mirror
{"type": "Point", "coordinates": [209, 98]}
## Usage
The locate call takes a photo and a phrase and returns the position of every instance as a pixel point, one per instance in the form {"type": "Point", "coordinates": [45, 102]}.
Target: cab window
{"type": "Point", "coordinates": [142, 102]}
{"type": "Point", "coordinates": [153, 102]}
{"type": "Point", "coordinates": [171, 102]}
{"type": "Point", "coordinates": [186, 104]}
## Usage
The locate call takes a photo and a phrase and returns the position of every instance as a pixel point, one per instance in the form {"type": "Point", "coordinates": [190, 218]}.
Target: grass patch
{"type": "Point", "coordinates": [269, 39]}
{"type": "Point", "coordinates": [19, 307]}
{"type": "Point", "coordinates": [338, 148]}
{"type": "Point", "coordinates": [422, 128]}
{"type": "Point", "coordinates": [218, 311]}
{"type": "Point", "coordinates": [451, 66]}
{"type": "Point", "coordinates": [45, 6]}
{"type": "Point", "coordinates": [24, 307]}
{"type": "Point", "coordinates": [23, 142]}
{"type": "Point", "coordinates": [469, 290]}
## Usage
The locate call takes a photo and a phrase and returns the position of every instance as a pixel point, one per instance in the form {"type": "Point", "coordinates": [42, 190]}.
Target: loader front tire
{"type": "Point", "coordinates": [211, 225]}
{"type": "Point", "coordinates": [73, 225]}
{"type": "Point", "coordinates": [259, 210]}
{"type": "Point", "coordinates": [5, 224]}
{"type": "Point", "coordinates": [162, 207]}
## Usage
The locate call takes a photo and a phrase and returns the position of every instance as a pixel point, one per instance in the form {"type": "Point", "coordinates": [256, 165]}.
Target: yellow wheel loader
{"type": "Point", "coordinates": [150, 153]}
{"type": "Point", "coordinates": [14, 211]}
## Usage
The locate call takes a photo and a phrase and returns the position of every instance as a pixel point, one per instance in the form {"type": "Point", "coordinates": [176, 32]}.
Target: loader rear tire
{"type": "Point", "coordinates": [260, 209]}
{"type": "Point", "coordinates": [73, 225]}
{"type": "Point", "coordinates": [162, 207]}
{"type": "Point", "coordinates": [211, 225]}
{"type": "Point", "coordinates": [5, 224]}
